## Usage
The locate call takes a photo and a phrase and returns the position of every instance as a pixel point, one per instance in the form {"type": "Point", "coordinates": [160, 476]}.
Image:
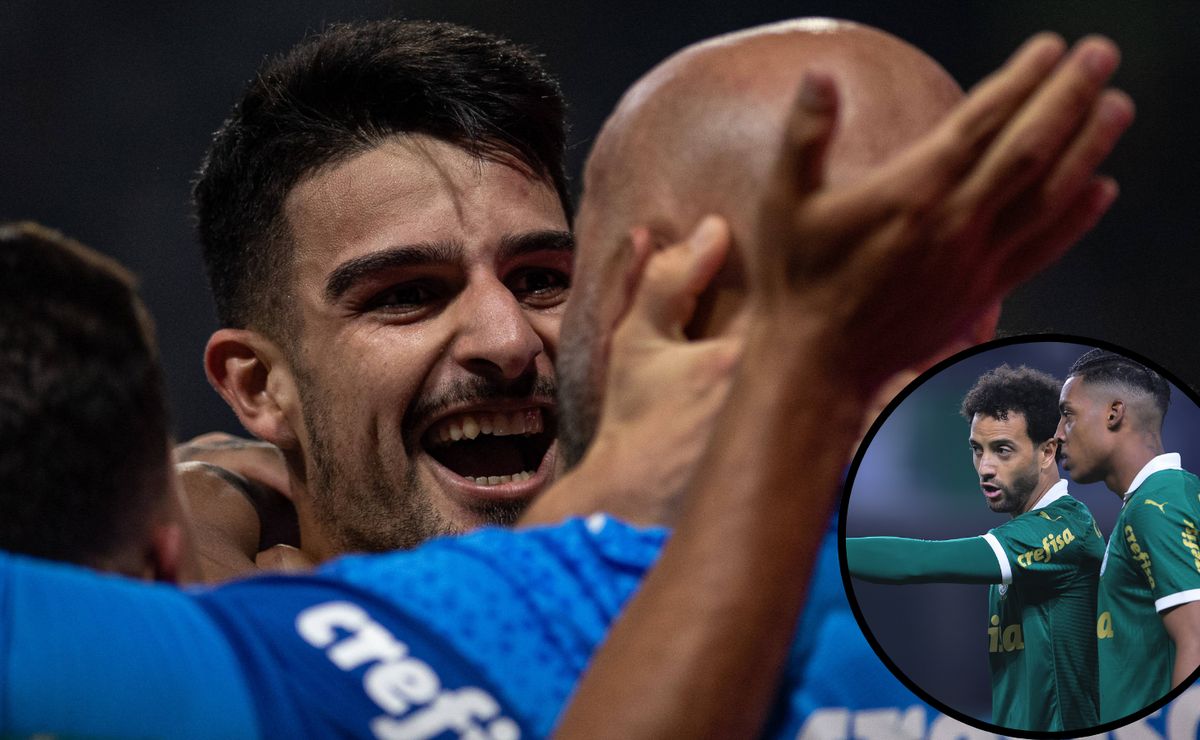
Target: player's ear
{"type": "Point", "coordinates": [253, 375]}
{"type": "Point", "coordinates": [165, 555]}
{"type": "Point", "coordinates": [1116, 414]}
{"type": "Point", "coordinates": [1046, 452]}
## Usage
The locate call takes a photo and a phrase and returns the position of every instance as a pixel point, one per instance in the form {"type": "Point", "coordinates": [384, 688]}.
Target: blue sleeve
{"type": "Point", "coordinates": [87, 655]}
{"type": "Point", "coordinates": [326, 659]}
{"type": "Point", "coordinates": [528, 607]}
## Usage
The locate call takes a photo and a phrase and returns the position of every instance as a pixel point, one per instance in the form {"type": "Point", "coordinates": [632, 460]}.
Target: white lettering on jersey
{"type": "Point", "coordinates": [948, 728]}
{"type": "Point", "coordinates": [1183, 715]}
{"type": "Point", "coordinates": [839, 723]}
{"type": "Point", "coordinates": [872, 724]}
{"type": "Point", "coordinates": [404, 687]}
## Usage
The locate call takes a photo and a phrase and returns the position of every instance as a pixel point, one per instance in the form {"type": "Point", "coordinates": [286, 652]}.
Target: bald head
{"type": "Point", "coordinates": [700, 133]}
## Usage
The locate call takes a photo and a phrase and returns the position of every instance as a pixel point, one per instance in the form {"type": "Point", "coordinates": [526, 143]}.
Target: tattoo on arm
{"type": "Point", "coordinates": [276, 515]}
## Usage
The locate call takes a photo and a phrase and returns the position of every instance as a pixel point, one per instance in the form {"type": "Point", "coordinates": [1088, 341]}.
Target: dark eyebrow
{"type": "Point", "coordinates": [515, 245]}
{"type": "Point", "coordinates": [351, 271]}
{"type": "Point", "coordinates": [429, 253]}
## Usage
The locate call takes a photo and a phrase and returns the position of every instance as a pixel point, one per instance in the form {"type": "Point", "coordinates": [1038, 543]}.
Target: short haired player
{"type": "Point", "coordinates": [1148, 624]}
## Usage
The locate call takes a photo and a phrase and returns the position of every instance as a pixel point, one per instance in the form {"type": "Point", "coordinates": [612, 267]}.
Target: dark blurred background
{"type": "Point", "coordinates": [916, 479]}
{"type": "Point", "coordinates": [108, 108]}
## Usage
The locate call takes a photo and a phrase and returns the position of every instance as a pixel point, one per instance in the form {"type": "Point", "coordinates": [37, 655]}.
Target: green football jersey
{"type": "Point", "coordinates": [1040, 619]}
{"type": "Point", "coordinates": [1152, 564]}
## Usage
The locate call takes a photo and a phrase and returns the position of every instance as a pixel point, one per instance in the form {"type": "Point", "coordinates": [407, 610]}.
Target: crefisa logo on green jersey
{"type": "Point", "coordinates": [1190, 542]}
{"type": "Point", "coordinates": [1051, 544]}
{"type": "Point", "coordinates": [1140, 555]}
{"type": "Point", "coordinates": [1006, 639]}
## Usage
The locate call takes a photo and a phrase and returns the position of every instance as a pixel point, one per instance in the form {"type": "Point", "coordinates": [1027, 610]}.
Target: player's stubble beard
{"type": "Point", "coordinates": [363, 509]}
{"type": "Point", "coordinates": [578, 384]}
{"type": "Point", "coordinates": [1016, 493]}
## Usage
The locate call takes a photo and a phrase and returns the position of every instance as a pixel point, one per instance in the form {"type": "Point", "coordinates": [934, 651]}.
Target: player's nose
{"type": "Point", "coordinates": [494, 336]}
{"type": "Point", "coordinates": [987, 467]}
{"type": "Point", "coordinates": [1060, 432]}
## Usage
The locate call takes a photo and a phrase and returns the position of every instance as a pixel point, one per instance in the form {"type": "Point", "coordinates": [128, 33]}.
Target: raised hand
{"type": "Point", "coordinates": [663, 392]}
{"type": "Point", "coordinates": [884, 272]}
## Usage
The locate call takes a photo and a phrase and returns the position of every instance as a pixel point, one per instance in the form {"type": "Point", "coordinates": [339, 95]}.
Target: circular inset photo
{"type": "Point", "coordinates": [1021, 539]}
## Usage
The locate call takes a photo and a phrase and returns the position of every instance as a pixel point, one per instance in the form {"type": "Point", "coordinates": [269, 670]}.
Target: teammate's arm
{"type": "Point", "coordinates": [1183, 625]}
{"type": "Point", "coordinates": [764, 516]}
{"type": "Point", "coordinates": [84, 655]}
{"type": "Point", "coordinates": [900, 560]}
{"type": "Point", "coordinates": [241, 515]}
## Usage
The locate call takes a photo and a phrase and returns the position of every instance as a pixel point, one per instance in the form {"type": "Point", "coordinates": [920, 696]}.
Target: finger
{"type": "Point", "coordinates": [995, 100]}
{"type": "Point", "coordinates": [807, 133]}
{"type": "Point", "coordinates": [799, 167]}
{"type": "Point", "coordinates": [1109, 119]}
{"type": "Point", "coordinates": [1041, 207]}
{"type": "Point", "coordinates": [211, 438]}
{"type": "Point", "coordinates": [674, 277]}
{"type": "Point", "coordinates": [283, 559]}
{"type": "Point", "coordinates": [1049, 245]}
{"type": "Point", "coordinates": [185, 451]}
{"type": "Point", "coordinates": [213, 445]}
{"type": "Point", "coordinates": [943, 158]}
{"type": "Point", "coordinates": [1044, 128]}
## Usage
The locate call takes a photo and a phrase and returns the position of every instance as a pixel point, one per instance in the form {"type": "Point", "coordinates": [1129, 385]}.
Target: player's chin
{"type": "Point", "coordinates": [1002, 504]}
{"type": "Point", "coordinates": [1077, 471]}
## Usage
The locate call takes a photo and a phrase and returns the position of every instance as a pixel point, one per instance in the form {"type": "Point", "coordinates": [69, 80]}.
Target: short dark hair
{"type": "Point", "coordinates": [83, 419]}
{"type": "Point", "coordinates": [343, 92]}
{"type": "Point", "coordinates": [1024, 390]}
{"type": "Point", "coordinates": [1102, 366]}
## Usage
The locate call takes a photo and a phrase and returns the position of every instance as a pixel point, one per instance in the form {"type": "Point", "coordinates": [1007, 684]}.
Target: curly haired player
{"type": "Point", "coordinates": [1042, 564]}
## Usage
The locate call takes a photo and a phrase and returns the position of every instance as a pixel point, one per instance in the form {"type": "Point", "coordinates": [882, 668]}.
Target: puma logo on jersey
{"type": "Point", "coordinates": [1049, 518]}
{"type": "Point", "coordinates": [1141, 556]}
{"type": "Point", "coordinates": [1051, 544]}
{"type": "Point", "coordinates": [1155, 503]}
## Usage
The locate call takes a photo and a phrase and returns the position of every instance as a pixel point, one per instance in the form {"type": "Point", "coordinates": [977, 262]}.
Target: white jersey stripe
{"type": "Point", "coordinates": [1001, 557]}
{"type": "Point", "coordinates": [1176, 599]}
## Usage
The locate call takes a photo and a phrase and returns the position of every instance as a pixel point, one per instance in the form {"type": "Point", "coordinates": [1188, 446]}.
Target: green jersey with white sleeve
{"type": "Point", "coordinates": [1152, 564]}
{"type": "Point", "coordinates": [1041, 616]}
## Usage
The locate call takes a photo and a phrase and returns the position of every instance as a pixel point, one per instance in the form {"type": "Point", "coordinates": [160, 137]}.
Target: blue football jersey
{"type": "Point", "coordinates": [481, 636]}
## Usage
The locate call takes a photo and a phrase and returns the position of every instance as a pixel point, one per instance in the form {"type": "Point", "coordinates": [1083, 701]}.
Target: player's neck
{"type": "Point", "coordinates": [1128, 460]}
{"type": "Point", "coordinates": [1046, 481]}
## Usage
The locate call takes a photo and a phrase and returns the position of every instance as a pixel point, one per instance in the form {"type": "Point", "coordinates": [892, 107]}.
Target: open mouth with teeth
{"type": "Point", "coordinates": [489, 448]}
